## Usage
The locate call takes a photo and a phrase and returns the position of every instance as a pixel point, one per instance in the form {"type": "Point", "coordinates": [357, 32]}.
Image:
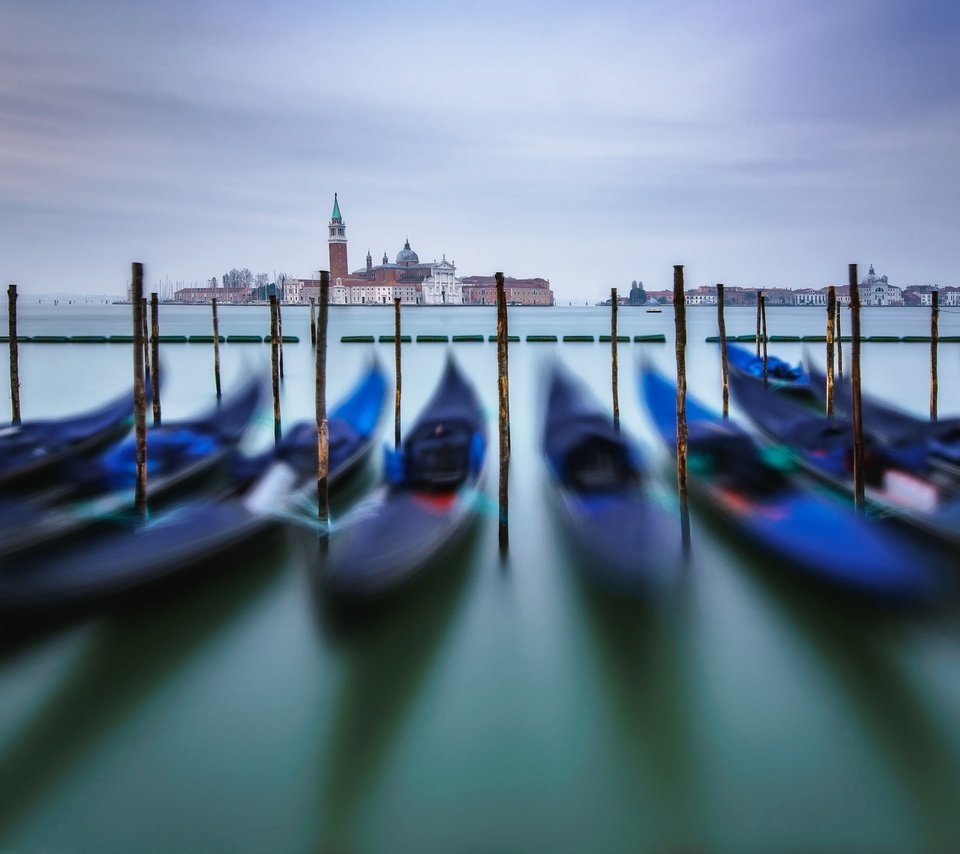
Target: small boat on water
{"type": "Point", "coordinates": [34, 453]}
{"type": "Point", "coordinates": [898, 479]}
{"type": "Point", "coordinates": [816, 533]}
{"type": "Point", "coordinates": [427, 500]}
{"type": "Point", "coordinates": [781, 375]}
{"type": "Point", "coordinates": [630, 535]}
{"type": "Point", "coordinates": [122, 560]}
{"type": "Point", "coordinates": [99, 490]}
{"type": "Point", "coordinates": [893, 426]}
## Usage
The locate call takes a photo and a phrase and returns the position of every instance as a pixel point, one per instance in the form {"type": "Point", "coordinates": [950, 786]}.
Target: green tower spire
{"type": "Point", "coordinates": [336, 208]}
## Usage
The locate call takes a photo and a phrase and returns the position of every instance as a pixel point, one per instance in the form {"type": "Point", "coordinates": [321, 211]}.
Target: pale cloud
{"type": "Point", "coordinates": [758, 143]}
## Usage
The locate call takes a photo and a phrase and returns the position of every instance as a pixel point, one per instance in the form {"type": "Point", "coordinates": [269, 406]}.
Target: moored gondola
{"type": "Point", "coordinates": [99, 490]}
{"type": "Point", "coordinates": [817, 533]}
{"type": "Point", "coordinates": [781, 375]}
{"type": "Point", "coordinates": [427, 500]}
{"type": "Point", "coordinates": [628, 533]}
{"type": "Point", "coordinates": [33, 454]}
{"type": "Point", "coordinates": [898, 478]}
{"type": "Point", "coordinates": [890, 425]}
{"type": "Point", "coordinates": [111, 563]}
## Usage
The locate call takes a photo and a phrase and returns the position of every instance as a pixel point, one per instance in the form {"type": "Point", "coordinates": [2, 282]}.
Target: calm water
{"type": "Point", "coordinates": [496, 707]}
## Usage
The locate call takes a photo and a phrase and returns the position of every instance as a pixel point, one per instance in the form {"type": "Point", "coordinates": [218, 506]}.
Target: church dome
{"type": "Point", "coordinates": [407, 256]}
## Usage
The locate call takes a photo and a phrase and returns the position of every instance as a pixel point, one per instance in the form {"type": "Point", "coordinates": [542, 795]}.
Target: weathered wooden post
{"type": "Point", "coordinates": [838, 337]}
{"type": "Point", "coordinates": [216, 346]}
{"type": "Point", "coordinates": [503, 395]}
{"type": "Point", "coordinates": [934, 338]}
{"type": "Point", "coordinates": [757, 337]}
{"type": "Point", "coordinates": [313, 322]}
{"type": "Point", "coordinates": [396, 359]}
{"type": "Point", "coordinates": [14, 357]}
{"type": "Point", "coordinates": [763, 324]}
{"type": "Point", "coordinates": [831, 327]}
{"type": "Point", "coordinates": [280, 335]}
{"type": "Point", "coordinates": [680, 320]}
{"type": "Point", "coordinates": [724, 367]}
{"type": "Point", "coordinates": [275, 368]}
{"type": "Point", "coordinates": [139, 390]}
{"type": "Point", "coordinates": [323, 428]}
{"type": "Point", "coordinates": [858, 473]}
{"type": "Point", "coordinates": [145, 316]}
{"type": "Point", "coordinates": [155, 356]}
{"type": "Point", "coordinates": [613, 358]}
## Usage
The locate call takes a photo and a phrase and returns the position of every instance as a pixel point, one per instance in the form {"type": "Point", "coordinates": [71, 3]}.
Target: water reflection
{"type": "Point", "coordinates": [386, 649]}
{"type": "Point", "coordinates": [128, 656]}
{"type": "Point", "coordinates": [862, 646]}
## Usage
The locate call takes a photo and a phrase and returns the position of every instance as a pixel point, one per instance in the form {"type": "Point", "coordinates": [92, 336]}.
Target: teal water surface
{"type": "Point", "coordinates": [500, 706]}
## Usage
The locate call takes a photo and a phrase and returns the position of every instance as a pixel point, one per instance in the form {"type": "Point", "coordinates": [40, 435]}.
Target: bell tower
{"type": "Point", "coordinates": [337, 241]}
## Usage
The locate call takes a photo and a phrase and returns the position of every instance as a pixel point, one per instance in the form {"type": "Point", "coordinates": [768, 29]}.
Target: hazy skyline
{"type": "Point", "coordinates": [757, 144]}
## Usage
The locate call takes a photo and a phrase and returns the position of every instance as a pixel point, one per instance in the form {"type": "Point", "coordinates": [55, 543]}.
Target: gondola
{"type": "Point", "coordinates": [428, 497]}
{"type": "Point", "coordinates": [112, 563]}
{"type": "Point", "coordinates": [898, 478]}
{"type": "Point", "coordinates": [893, 426]}
{"type": "Point", "coordinates": [99, 490]}
{"type": "Point", "coordinates": [33, 454]}
{"type": "Point", "coordinates": [781, 375]}
{"type": "Point", "coordinates": [814, 532]}
{"type": "Point", "coordinates": [629, 535]}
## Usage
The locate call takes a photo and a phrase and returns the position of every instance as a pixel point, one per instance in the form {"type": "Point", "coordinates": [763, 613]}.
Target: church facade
{"type": "Point", "coordinates": [408, 279]}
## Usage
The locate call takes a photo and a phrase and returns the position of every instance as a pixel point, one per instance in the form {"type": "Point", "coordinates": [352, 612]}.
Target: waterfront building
{"type": "Point", "coordinates": [482, 290]}
{"type": "Point", "coordinates": [876, 290]}
{"type": "Point", "coordinates": [224, 296]}
{"type": "Point", "coordinates": [810, 296]}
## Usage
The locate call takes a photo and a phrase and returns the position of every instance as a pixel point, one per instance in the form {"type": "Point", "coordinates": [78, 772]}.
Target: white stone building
{"type": "Point", "coordinates": [809, 296]}
{"type": "Point", "coordinates": [442, 287]}
{"type": "Point", "coordinates": [876, 290]}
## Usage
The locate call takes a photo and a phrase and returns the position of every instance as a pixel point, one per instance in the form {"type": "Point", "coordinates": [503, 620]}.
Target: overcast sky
{"type": "Point", "coordinates": [757, 143]}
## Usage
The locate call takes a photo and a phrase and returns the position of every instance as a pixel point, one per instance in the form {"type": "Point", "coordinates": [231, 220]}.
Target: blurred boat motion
{"type": "Point", "coordinates": [122, 558]}
{"type": "Point", "coordinates": [427, 498]}
{"type": "Point", "coordinates": [630, 536]}
{"type": "Point", "coordinates": [817, 533]}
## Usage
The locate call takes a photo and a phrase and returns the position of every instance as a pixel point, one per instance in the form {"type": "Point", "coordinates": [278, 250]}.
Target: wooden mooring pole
{"type": "Point", "coordinates": [280, 335]}
{"type": "Point", "coordinates": [831, 345]}
{"type": "Point", "coordinates": [613, 359]}
{"type": "Point", "coordinates": [934, 338]}
{"type": "Point", "coordinates": [139, 390]}
{"type": "Point", "coordinates": [14, 357]}
{"type": "Point", "coordinates": [757, 337]}
{"type": "Point", "coordinates": [398, 384]}
{"type": "Point", "coordinates": [680, 319]}
{"type": "Point", "coordinates": [323, 428]}
{"type": "Point", "coordinates": [145, 317]}
{"type": "Point", "coordinates": [858, 473]}
{"type": "Point", "coordinates": [503, 397]}
{"type": "Point", "coordinates": [313, 322]}
{"type": "Point", "coordinates": [838, 337]}
{"type": "Point", "coordinates": [724, 367]}
{"type": "Point", "coordinates": [275, 368]}
{"type": "Point", "coordinates": [155, 356]}
{"type": "Point", "coordinates": [216, 346]}
{"type": "Point", "coordinates": [763, 333]}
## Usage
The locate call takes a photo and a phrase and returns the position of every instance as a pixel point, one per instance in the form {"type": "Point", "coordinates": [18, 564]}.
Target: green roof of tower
{"type": "Point", "coordinates": [336, 208]}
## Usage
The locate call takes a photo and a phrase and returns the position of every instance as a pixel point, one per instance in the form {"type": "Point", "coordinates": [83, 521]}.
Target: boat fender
{"type": "Point", "coordinates": [394, 467]}
{"type": "Point", "coordinates": [478, 449]}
